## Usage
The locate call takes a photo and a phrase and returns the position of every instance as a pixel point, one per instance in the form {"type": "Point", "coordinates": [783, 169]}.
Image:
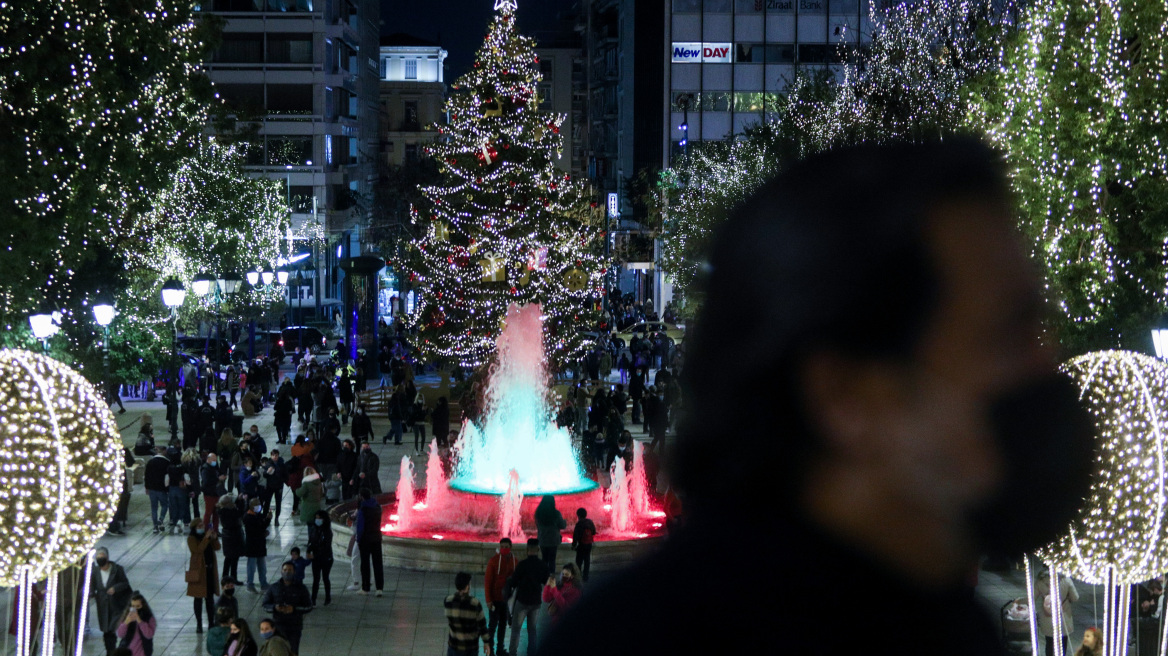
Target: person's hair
{"type": "Point", "coordinates": [227, 435]}
{"type": "Point", "coordinates": [145, 614]}
{"type": "Point", "coordinates": [323, 514]}
{"type": "Point", "coordinates": [101, 550]}
{"type": "Point", "coordinates": [533, 545]}
{"type": "Point", "coordinates": [461, 581]}
{"type": "Point", "coordinates": [225, 580]}
{"type": "Point", "coordinates": [294, 550]}
{"type": "Point", "coordinates": [505, 541]}
{"type": "Point", "coordinates": [309, 471]}
{"type": "Point", "coordinates": [545, 512]}
{"type": "Point", "coordinates": [1098, 649]}
{"type": "Point", "coordinates": [245, 636]}
{"type": "Point", "coordinates": [195, 524]}
{"type": "Point", "coordinates": [223, 615]}
{"type": "Point", "coordinates": [581, 513]}
{"type": "Point", "coordinates": [571, 567]}
{"type": "Point", "coordinates": [191, 455]}
{"type": "Point", "coordinates": [225, 501]}
{"type": "Point", "coordinates": [365, 493]}
{"type": "Point", "coordinates": [853, 276]}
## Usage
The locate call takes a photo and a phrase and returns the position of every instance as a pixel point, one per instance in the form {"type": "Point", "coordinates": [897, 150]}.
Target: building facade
{"type": "Point", "coordinates": [562, 91]}
{"type": "Point", "coordinates": [411, 93]}
{"type": "Point", "coordinates": [305, 73]}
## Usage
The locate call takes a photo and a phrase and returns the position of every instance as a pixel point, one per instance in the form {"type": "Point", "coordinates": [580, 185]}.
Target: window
{"type": "Point", "coordinates": [411, 69]}
{"type": "Point", "coordinates": [240, 49]}
{"type": "Point", "coordinates": [771, 53]}
{"type": "Point", "coordinates": [717, 6]}
{"type": "Point", "coordinates": [283, 151]}
{"type": "Point", "coordinates": [411, 154]}
{"type": "Point", "coordinates": [245, 98]}
{"type": "Point", "coordinates": [410, 116]}
{"type": "Point", "coordinates": [687, 6]}
{"type": "Point", "coordinates": [290, 99]}
{"type": "Point", "coordinates": [289, 49]}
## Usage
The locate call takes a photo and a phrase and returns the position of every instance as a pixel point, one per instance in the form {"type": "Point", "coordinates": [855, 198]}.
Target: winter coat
{"type": "Point", "coordinates": [155, 476]}
{"type": "Point", "coordinates": [276, 646]}
{"type": "Point", "coordinates": [564, 597]}
{"type": "Point", "coordinates": [142, 631]}
{"type": "Point", "coordinates": [347, 464]}
{"type": "Point", "coordinates": [310, 494]}
{"type": "Point", "coordinates": [549, 522]}
{"type": "Point", "coordinates": [204, 564]}
{"type": "Point", "coordinates": [499, 568]}
{"type": "Point", "coordinates": [228, 451]}
{"type": "Point", "coordinates": [368, 525]}
{"type": "Point", "coordinates": [278, 476]}
{"type": "Point", "coordinates": [249, 482]}
{"type": "Point", "coordinates": [217, 640]}
{"type": "Point", "coordinates": [369, 464]}
{"type": "Point", "coordinates": [440, 420]}
{"type": "Point", "coordinates": [283, 411]}
{"type": "Point", "coordinates": [110, 607]}
{"type": "Point", "coordinates": [320, 542]}
{"type": "Point", "coordinates": [250, 649]}
{"type": "Point", "coordinates": [209, 479]}
{"type": "Point", "coordinates": [231, 531]}
{"type": "Point", "coordinates": [362, 427]}
{"type": "Point", "coordinates": [255, 534]}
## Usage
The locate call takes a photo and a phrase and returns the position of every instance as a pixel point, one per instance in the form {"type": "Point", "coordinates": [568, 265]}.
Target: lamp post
{"type": "Point", "coordinates": [264, 279]}
{"type": "Point", "coordinates": [683, 103]}
{"type": "Point", "coordinates": [173, 295]}
{"type": "Point", "coordinates": [103, 314]}
{"type": "Point", "coordinates": [224, 285]}
{"type": "Point", "coordinates": [44, 325]}
{"type": "Point", "coordinates": [1160, 342]}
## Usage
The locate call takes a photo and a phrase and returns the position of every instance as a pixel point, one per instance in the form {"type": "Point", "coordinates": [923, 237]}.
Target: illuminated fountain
{"type": "Point", "coordinates": [515, 455]}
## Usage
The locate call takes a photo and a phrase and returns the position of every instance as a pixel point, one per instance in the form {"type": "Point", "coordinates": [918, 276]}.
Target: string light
{"type": "Point", "coordinates": [60, 466]}
{"type": "Point", "coordinates": [505, 226]}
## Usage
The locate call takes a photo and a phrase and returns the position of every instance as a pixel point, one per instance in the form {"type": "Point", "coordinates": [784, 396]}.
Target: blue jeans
{"type": "Point", "coordinates": [395, 429]}
{"type": "Point", "coordinates": [180, 509]}
{"type": "Point", "coordinates": [158, 505]}
{"type": "Point", "coordinates": [520, 613]}
{"type": "Point", "coordinates": [253, 564]}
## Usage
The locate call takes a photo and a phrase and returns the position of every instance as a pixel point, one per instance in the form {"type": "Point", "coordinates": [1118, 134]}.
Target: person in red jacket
{"type": "Point", "coordinates": [562, 597]}
{"type": "Point", "coordinates": [499, 569]}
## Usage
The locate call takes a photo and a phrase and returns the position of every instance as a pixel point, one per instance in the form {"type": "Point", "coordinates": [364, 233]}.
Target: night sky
{"type": "Point", "coordinates": [460, 25]}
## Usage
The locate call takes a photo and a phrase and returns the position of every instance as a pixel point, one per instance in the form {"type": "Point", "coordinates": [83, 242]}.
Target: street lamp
{"type": "Point", "coordinates": [1160, 342]}
{"type": "Point", "coordinates": [173, 295]}
{"type": "Point", "coordinates": [103, 314]}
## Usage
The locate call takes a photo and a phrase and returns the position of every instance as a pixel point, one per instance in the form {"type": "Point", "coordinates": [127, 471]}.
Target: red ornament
{"type": "Point", "coordinates": [592, 204]}
{"type": "Point", "coordinates": [512, 183]}
{"type": "Point", "coordinates": [552, 185]}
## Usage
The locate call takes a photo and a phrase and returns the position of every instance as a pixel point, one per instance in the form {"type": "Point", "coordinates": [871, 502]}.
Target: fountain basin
{"type": "Point", "coordinates": [453, 550]}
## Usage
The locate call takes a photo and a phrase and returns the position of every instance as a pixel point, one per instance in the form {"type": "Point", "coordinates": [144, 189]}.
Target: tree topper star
{"type": "Point", "coordinates": [507, 6]}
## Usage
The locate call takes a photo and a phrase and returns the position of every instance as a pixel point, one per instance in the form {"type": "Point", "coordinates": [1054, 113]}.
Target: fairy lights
{"type": "Point", "coordinates": [500, 203]}
{"type": "Point", "coordinates": [1122, 529]}
{"type": "Point", "coordinates": [60, 466]}
{"type": "Point", "coordinates": [1079, 106]}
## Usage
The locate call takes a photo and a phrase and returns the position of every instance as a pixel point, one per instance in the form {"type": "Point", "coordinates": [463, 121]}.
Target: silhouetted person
{"type": "Point", "coordinates": [894, 415]}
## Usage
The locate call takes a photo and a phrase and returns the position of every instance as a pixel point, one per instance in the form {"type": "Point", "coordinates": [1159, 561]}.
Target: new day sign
{"type": "Point", "coordinates": [704, 53]}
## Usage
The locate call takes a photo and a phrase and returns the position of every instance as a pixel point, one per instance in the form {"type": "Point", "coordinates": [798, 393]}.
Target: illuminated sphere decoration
{"type": "Point", "coordinates": [60, 465]}
{"type": "Point", "coordinates": [1123, 524]}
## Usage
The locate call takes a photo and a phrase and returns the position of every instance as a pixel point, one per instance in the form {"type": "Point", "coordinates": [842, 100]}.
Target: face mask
{"type": "Point", "coordinates": [1046, 440]}
{"type": "Point", "coordinates": [288, 576]}
{"type": "Point", "coordinates": [320, 522]}
{"type": "Point", "coordinates": [101, 561]}
{"type": "Point", "coordinates": [214, 463]}
{"type": "Point", "coordinates": [200, 531]}
{"type": "Point", "coordinates": [267, 635]}
{"type": "Point", "coordinates": [228, 592]}
{"type": "Point", "coordinates": [259, 509]}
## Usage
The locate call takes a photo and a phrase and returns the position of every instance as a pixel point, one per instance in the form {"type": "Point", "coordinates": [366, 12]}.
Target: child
{"type": "Point", "coordinates": [582, 539]}
{"type": "Point", "coordinates": [332, 490]}
{"type": "Point", "coordinates": [299, 563]}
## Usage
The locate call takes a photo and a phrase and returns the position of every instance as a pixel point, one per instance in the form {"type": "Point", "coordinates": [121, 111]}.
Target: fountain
{"type": "Point", "coordinates": [504, 464]}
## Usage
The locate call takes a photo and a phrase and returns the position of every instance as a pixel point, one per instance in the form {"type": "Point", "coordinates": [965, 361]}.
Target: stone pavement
{"type": "Point", "coordinates": [408, 620]}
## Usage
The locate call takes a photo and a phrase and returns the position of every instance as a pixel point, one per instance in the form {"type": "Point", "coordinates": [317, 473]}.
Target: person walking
{"type": "Point", "coordinates": [227, 600]}
{"type": "Point", "coordinates": [347, 466]}
{"type": "Point", "coordinates": [527, 580]}
{"type": "Point", "coordinates": [362, 429]}
{"type": "Point", "coordinates": [418, 414]}
{"type": "Point", "coordinates": [368, 465]}
{"type": "Point", "coordinates": [548, 523]}
{"type": "Point", "coordinates": [368, 531]}
{"type": "Point", "coordinates": [440, 420]}
{"type": "Point", "coordinates": [229, 458]}
{"type": "Point", "coordinates": [241, 642]}
{"type": "Point", "coordinates": [213, 482]}
{"type": "Point", "coordinates": [111, 591]}
{"type": "Point", "coordinates": [203, 571]}
{"type": "Point", "coordinates": [136, 627]}
{"type": "Point", "coordinates": [320, 552]}
{"type": "Point", "coordinates": [499, 568]}
{"type": "Point", "coordinates": [255, 544]}
{"type": "Point", "coordinates": [155, 483]}
{"type": "Point", "coordinates": [282, 411]}
{"type": "Point", "coordinates": [176, 491]}
{"type": "Point", "coordinates": [289, 602]}
{"type": "Point", "coordinates": [1061, 600]}
{"type": "Point", "coordinates": [583, 537]}
{"type": "Point", "coordinates": [275, 478]}
{"type": "Point", "coordinates": [310, 492]}
{"type": "Point", "coordinates": [467, 625]}
{"type": "Point", "coordinates": [230, 535]}
{"type": "Point", "coordinates": [249, 481]}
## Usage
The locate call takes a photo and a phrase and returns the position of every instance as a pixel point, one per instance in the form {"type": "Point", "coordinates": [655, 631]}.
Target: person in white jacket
{"type": "Point", "coordinates": [1047, 605]}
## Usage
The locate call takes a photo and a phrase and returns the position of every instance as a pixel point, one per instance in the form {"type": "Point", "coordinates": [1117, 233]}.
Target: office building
{"type": "Point", "coordinates": [411, 93]}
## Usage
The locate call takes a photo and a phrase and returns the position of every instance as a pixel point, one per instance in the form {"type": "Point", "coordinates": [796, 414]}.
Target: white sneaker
{"type": "Point", "coordinates": [353, 587]}
{"type": "Point", "coordinates": [379, 594]}
{"type": "Point", "coordinates": [362, 592]}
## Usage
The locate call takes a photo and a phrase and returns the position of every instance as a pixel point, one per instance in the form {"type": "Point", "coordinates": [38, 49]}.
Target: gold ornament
{"type": "Point", "coordinates": [576, 280]}
{"type": "Point", "coordinates": [61, 467]}
{"type": "Point", "coordinates": [493, 109]}
{"type": "Point", "coordinates": [493, 268]}
{"type": "Point", "coordinates": [441, 231]}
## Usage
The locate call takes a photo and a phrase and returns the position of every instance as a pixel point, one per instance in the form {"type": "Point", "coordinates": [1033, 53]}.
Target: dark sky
{"type": "Point", "coordinates": [460, 25]}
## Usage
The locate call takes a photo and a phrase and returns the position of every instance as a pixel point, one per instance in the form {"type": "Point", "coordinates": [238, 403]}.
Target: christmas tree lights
{"type": "Point", "coordinates": [505, 226]}
{"type": "Point", "coordinates": [1080, 106]}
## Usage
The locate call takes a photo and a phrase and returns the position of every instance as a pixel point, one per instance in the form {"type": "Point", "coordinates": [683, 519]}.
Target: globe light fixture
{"type": "Point", "coordinates": [282, 276]}
{"type": "Point", "coordinates": [267, 276]}
{"type": "Point", "coordinates": [173, 293]}
{"type": "Point", "coordinates": [103, 313]}
{"type": "Point", "coordinates": [42, 325]}
{"type": "Point", "coordinates": [201, 285]}
{"type": "Point", "coordinates": [253, 278]}
{"type": "Point", "coordinates": [231, 282]}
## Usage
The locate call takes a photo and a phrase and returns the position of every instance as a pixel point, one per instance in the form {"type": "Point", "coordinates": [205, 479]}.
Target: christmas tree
{"type": "Point", "coordinates": [1080, 106]}
{"type": "Point", "coordinates": [504, 226]}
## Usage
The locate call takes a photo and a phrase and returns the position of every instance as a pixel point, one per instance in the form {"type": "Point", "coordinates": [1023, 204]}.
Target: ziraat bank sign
{"type": "Point", "coordinates": [701, 53]}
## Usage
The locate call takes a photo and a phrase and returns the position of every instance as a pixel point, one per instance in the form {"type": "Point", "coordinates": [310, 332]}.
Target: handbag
{"type": "Point", "coordinates": [192, 576]}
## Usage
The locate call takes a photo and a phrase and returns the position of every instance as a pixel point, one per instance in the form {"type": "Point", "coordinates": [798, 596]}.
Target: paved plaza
{"type": "Point", "coordinates": [408, 620]}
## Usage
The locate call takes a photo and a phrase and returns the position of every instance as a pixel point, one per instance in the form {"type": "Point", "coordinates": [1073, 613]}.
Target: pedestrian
{"type": "Point", "coordinates": [347, 467]}
{"type": "Point", "coordinates": [399, 407]}
{"type": "Point", "coordinates": [111, 591]}
{"type": "Point", "coordinates": [345, 390]}
{"type": "Point", "coordinates": [368, 465]}
{"type": "Point", "coordinates": [212, 480]}
{"type": "Point", "coordinates": [275, 478]}
{"type": "Point", "coordinates": [464, 614]}
{"type": "Point", "coordinates": [636, 393]}
{"type": "Point", "coordinates": [1060, 600]}
{"type": "Point", "coordinates": [495, 591]}
{"type": "Point", "coordinates": [440, 420]}
{"type": "Point", "coordinates": [548, 523]}
{"type": "Point", "coordinates": [241, 642]}
{"type": "Point", "coordinates": [582, 538]}
{"type": "Point", "coordinates": [136, 627]}
{"type": "Point", "coordinates": [176, 491]}
{"type": "Point", "coordinates": [368, 530]}
{"type": "Point", "coordinates": [527, 581]}
{"type": "Point", "coordinates": [255, 543]}
{"type": "Point", "coordinates": [227, 600]}
{"type": "Point", "coordinates": [560, 598]}
{"type": "Point", "coordinates": [327, 450]}
{"type": "Point", "coordinates": [362, 428]}
{"type": "Point", "coordinates": [232, 384]}
{"type": "Point", "coordinates": [282, 419]}
{"type": "Point", "coordinates": [275, 643]}
{"type": "Point", "coordinates": [249, 481]}
{"type": "Point", "coordinates": [121, 512]}
{"type": "Point", "coordinates": [229, 458]}
{"type": "Point", "coordinates": [230, 534]}
{"type": "Point", "coordinates": [217, 635]}
{"type": "Point", "coordinates": [320, 553]}
{"type": "Point", "coordinates": [288, 600]}
{"type": "Point", "coordinates": [299, 563]}
{"type": "Point", "coordinates": [332, 490]}
{"type": "Point", "coordinates": [192, 462]}
{"type": "Point", "coordinates": [156, 489]}
{"type": "Point", "coordinates": [203, 571]}
{"type": "Point", "coordinates": [418, 418]}
{"type": "Point", "coordinates": [310, 493]}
